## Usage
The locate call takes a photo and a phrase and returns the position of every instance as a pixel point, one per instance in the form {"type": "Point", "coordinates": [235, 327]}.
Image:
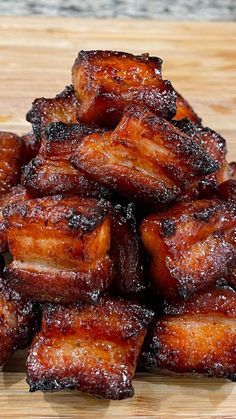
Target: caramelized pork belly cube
{"type": "Point", "coordinates": [106, 81]}
{"type": "Point", "coordinates": [31, 146]}
{"type": "Point", "coordinates": [185, 110]}
{"type": "Point", "coordinates": [51, 172]}
{"type": "Point", "coordinates": [227, 190]}
{"type": "Point", "coordinates": [60, 248]}
{"type": "Point", "coordinates": [191, 246]}
{"type": "Point", "coordinates": [16, 194]}
{"type": "Point", "coordinates": [43, 177]}
{"type": "Point", "coordinates": [127, 252]}
{"type": "Point", "coordinates": [60, 141]}
{"type": "Point", "coordinates": [145, 158]}
{"type": "Point", "coordinates": [12, 150]}
{"type": "Point", "coordinates": [196, 337]}
{"type": "Point", "coordinates": [92, 348]}
{"type": "Point", "coordinates": [63, 108]}
{"type": "Point", "coordinates": [18, 322]}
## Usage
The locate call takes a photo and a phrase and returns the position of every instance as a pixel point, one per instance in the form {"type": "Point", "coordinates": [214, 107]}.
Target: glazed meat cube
{"type": "Point", "coordinates": [60, 248]}
{"type": "Point", "coordinates": [18, 323]}
{"type": "Point", "coordinates": [106, 81]}
{"type": "Point", "coordinates": [43, 177]}
{"type": "Point", "coordinates": [92, 348]}
{"type": "Point", "coordinates": [191, 246]}
{"type": "Point", "coordinates": [51, 172]}
{"type": "Point", "coordinates": [60, 140]}
{"type": "Point", "coordinates": [185, 110]}
{"type": "Point", "coordinates": [145, 158]}
{"type": "Point", "coordinates": [12, 148]}
{"type": "Point", "coordinates": [16, 194]}
{"type": "Point", "coordinates": [31, 145]}
{"type": "Point", "coordinates": [127, 252]}
{"type": "Point", "coordinates": [64, 108]}
{"type": "Point", "coordinates": [196, 337]}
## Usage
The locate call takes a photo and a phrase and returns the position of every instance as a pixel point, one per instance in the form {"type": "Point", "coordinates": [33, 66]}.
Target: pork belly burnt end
{"type": "Point", "coordinates": [60, 140]}
{"type": "Point", "coordinates": [61, 253]}
{"type": "Point", "coordinates": [43, 177]}
{"type": "Point", "coordinates": [16, 194]}
{"type": "Point", "coordinates": [145, 158]}
{"type": "Point", "coordinates": [127, 253]}
{"type": "Point", "coordinates": [106, 81]}
{"type": "Point", "coordinates": [92, 348]}
{"type": "Point", "coordinates": [18, 322]}
{"type": "Point", "coordinates": [51, 172]}
{"type": "Point", "coordinates": [191, 246]}
{"type": "Point", "coordinates": [12, 148]}
{"type": "Point", "coordinates": [185, 110]}
{"type": "Point", "coordinates": [196, 337]}
{"type": "Point", "coordinates": [64, 108]}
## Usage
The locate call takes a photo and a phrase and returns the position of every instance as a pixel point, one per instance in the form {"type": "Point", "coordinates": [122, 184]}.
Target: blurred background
{"type": "Point", "coordinates": [211, 10]}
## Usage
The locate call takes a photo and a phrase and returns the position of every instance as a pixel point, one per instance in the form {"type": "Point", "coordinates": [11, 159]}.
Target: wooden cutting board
{"type": "Point", "coordinates": [36, 55]}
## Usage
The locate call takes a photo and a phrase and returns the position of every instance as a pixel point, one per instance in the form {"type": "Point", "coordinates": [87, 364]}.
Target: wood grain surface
{"type": "Point", "coordinates": [36, 55]}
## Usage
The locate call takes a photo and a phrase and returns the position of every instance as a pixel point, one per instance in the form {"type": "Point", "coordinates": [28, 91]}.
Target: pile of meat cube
{"type": "Point", "coordinates": [118, 213]}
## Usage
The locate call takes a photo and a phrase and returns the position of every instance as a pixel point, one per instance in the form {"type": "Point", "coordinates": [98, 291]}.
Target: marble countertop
{"type": "Point", "coordinates": [210, 10]}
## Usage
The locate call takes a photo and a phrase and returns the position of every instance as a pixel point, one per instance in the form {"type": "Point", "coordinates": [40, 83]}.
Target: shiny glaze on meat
{"type": "Point", "coordinates": [93, 348]}
{"type": "Point", "coordinates": [106, 81]}
{"type": "Point", "coordinates": [145, 158]}
{"type": "Point", "coordinates": [195, 337]}
{"type": "Point", "coordinates": [191, 246]}
{"type": "Point", "coordinates": [61, 253]}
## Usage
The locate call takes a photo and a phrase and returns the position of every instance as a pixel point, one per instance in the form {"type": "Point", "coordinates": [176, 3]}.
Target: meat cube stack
{"type": "Point", "coordinates": [122, 233]}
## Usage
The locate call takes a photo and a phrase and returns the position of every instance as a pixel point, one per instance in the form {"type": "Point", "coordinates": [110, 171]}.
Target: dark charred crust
{"type": "Point", "coordinates": [87, 224]}
{"type": "Point", "coordinates": [61, 132]}
{"type": "Point", "coordinates": [42, 208]}
{"type": "Point", "coordinates": [168, 228]}
{"type": "Point", "coordinates": [197, 337]}
{"type": "Point", "coordinates": [198, 253]}
{"type": "Point", "coordinates": [126, 160]}
{"type": "Point", "coordinates": [205, 164]}
{"type": "Point", "coordinates": [194, 130]}
{"type": "Point", "coordinates": [212, 142]}
{"type": "Point", "coordinates": [105, 339]}
{"type": "Point", "coordinates": [64, 108]}
{"type": "Point", "coordinates": [86, 55]}
{"type": "Point", "coordinates": [205, 214]}
{"type": "Point", "coordinates": [106, 81]}
{"type": "Point", "coordinates": [48, 385]}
